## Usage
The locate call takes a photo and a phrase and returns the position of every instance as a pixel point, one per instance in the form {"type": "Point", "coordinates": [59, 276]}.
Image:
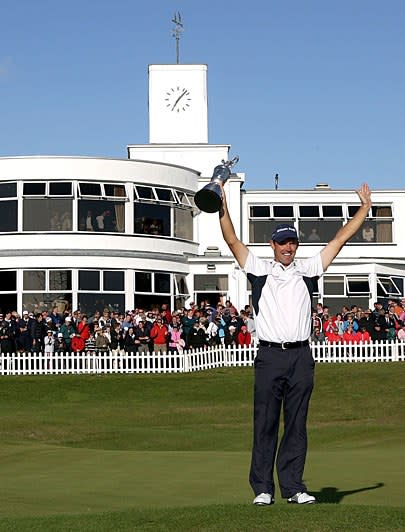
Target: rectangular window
{"type": "Point", "coordinates": [143, 282]}
{"type": "Point", "coordinates": [60, 189]}
{"type": "Point", "coordinates": [152, 219]}
{"type": "Point", "coordinates": [358, 285]}
{"type": "Point", "coordinates": [90, 189]}
{"type": "Point", "coordinates": [181, 285]}
{"type": "Point", "coordinates": [47, 214]}
{"type": "Point", "coordinates": [386, 286]}
{"type": "Point", "coordinates": [8, 190]}
{"type": "Point", "coordinates": [211, 283]}
{"type": "Point", "coordinates": [60, 280]}
{"type": "Point", "coordinates": [34, 189]}
{"type": "Point", "coordinates": [113, 281]}
{"type": "Point", "coordinates": [144, 193]}
{"type": "Point", "coordinates": [309, 211]}
{"type": "Point", "coordinates": [334, 285]}
{"type": "Point", "coordinates": [90, 302]}
{"type": "Point", "coordinates": [106, 216]}
{"type": "Point", "coordinates": [37, 302]}
{"type": "Point", "coordinates": [89, 280]}
{"type": "Point", "coordinates": [260, 231]}
{"type": "Point", "coordinates": [260, 211]}
{"type": "Point", "coordinates": [165, 194]}
{"type": "Point", "coordinates": [8, 281]}
{"type": "Point", "coordinates": [332, 211]}
{"type": "Point", "coordinates": [34, 280]}
{"type": "Point", "coordinates": [183, 223]}
{"type": "Point", "coordinates": [318, 231]}
{"type": "Point", "coordinates": [162, 283]}
{"type": "Point", "coordinates": [381, 211]}
{"type": "Point", "coordinates": [115, 191]}
{"type": "Point", "coordinates": [283, 211]}
{"type": "Point", "coordinates": [8, 218]}
{"type": "Point", "coordinates": [183, 198]}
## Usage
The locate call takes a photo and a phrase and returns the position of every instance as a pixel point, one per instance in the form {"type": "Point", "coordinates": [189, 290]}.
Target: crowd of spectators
{"type": "Point", "coordinates": [138, 330]}
{"type": "Point", "coordinates": [358, 325]}
{"type": "Point", "coordinates": [162, 330]}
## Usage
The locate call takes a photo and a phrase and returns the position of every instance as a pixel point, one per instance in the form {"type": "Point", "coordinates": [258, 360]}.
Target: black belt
{"type": "Point", "coordinates": [284, 345]}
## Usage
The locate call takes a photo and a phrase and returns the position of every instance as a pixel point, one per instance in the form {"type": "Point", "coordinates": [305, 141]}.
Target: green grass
{"type": "Point", "coordinates": [167, 452]}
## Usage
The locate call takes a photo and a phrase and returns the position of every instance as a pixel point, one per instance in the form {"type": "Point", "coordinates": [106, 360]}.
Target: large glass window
{"type": "Point", "coordinates": [377, 228]}
{"type": "Point", "coordinates": [92, 301]}
{"type": "Point", "coordinates": [40, 301]}
{"type": "Point", "coordinates": [150, 219]}
{"type": "Point", "coordinates": [8, 218]}
{"type": "Point", "coordinates": [211, 282]}
{"type": "Point", "coordinates": [318, 224]}
{"type": "Point", "coordinates": [34, 280]}
{"type": "Point", "coordinates": [101, 207]}
{"type": "Point", "coordinates": [318, 231]}
{"type": "Point", "coordinates": [183, 223]}
{"type": "Point", "coordinates": [106, 216]}
{"type": "Point", "coordinates": [47, 214]}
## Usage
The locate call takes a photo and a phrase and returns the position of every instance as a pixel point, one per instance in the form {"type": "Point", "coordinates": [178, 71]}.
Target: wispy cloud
{"type": "Point", "coordinates": [5, 67]}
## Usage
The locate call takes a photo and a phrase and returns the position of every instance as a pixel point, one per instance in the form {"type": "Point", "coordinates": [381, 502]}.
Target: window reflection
{"type": "Point", "coordinates": [183, 223]}
{"type": "Point", "coordinates": [47, 214]}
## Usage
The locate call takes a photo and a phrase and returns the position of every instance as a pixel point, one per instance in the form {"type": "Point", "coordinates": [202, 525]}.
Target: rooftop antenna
{"type": "Point", "coordinates": [276, 182]}
{"type": "Point", "coordinates": [176, 32]}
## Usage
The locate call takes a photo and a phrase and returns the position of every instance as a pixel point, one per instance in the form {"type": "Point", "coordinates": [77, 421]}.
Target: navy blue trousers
{"type": "Point", "coordinates": [283, 378]}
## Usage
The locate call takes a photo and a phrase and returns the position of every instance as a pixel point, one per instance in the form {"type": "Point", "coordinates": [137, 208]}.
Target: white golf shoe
{"type": "Point", "coordinates": [301, 498]}
{"type": "Point", "coordinates": [263, 499]}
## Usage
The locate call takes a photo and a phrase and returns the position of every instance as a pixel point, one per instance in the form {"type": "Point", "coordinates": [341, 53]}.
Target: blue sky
{"type": "Point", "coordinates": [313, 90]}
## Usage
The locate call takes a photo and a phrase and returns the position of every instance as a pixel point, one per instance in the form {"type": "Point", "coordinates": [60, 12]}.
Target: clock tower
{"type": "Point", "coordinates": [178, 106]}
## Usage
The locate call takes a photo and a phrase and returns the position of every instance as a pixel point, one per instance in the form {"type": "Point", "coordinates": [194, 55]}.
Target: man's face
{"type": "Point", "coordinates": [284, 252]}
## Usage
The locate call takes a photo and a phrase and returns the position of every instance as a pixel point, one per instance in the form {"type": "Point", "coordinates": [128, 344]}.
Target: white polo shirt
{"type": "Point", "coordinates": [282, 297]}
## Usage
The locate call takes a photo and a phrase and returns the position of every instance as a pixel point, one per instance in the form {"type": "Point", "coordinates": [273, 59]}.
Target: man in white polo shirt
{"type": "Point", "coordinates": [284, 367]}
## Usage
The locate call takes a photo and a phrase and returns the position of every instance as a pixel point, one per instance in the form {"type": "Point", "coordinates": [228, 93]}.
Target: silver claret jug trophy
{"type": "Point", "coordinates": [209, 198]}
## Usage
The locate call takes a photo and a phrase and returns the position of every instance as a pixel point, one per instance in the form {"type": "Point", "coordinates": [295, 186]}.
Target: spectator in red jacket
{"type": "Point", "coordinates": [349, 335]}
{"type": "Point", "coordinates": [244, 336]}
{"type": "Point", "coordinates": [159, 334]}
{"type": "Point", "coordinates": [363, 335]}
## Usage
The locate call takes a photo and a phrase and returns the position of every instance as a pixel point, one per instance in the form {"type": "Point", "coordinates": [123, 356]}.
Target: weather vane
{"type": "Point", "coordinates": [176, 32]}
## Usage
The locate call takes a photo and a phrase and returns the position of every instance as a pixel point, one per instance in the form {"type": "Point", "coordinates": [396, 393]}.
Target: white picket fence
{"type": "Point", "coordinates": [188, 361]}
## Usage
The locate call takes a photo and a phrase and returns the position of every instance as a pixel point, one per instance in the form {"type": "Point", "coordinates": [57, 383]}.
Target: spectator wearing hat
{"type": "Point", "coordinates": [60, 344]}
{"type": "Point", "coordinates": [49, 343]}
{"type": "Point", "coordinates": [284, 368]}
{"type": "Point", "coordinates": [244, 336]}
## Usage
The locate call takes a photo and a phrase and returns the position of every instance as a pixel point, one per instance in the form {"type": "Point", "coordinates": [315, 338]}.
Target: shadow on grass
{"type": "Point", "coordinates": [335, 496]}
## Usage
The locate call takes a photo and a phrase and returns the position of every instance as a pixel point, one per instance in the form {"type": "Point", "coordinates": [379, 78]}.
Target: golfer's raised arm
{"type": "Point", "coordinates": [238, 248]}
{"type": "Point", "coordinates": [346, 232]}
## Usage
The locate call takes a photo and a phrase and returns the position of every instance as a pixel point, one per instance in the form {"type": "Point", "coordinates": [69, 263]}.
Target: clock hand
{"type": "Point", "coordinates": [179, 98]}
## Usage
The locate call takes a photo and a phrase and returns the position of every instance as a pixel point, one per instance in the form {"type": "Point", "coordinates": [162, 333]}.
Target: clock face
{"type": "Point", "coordinates": [178, 99]}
